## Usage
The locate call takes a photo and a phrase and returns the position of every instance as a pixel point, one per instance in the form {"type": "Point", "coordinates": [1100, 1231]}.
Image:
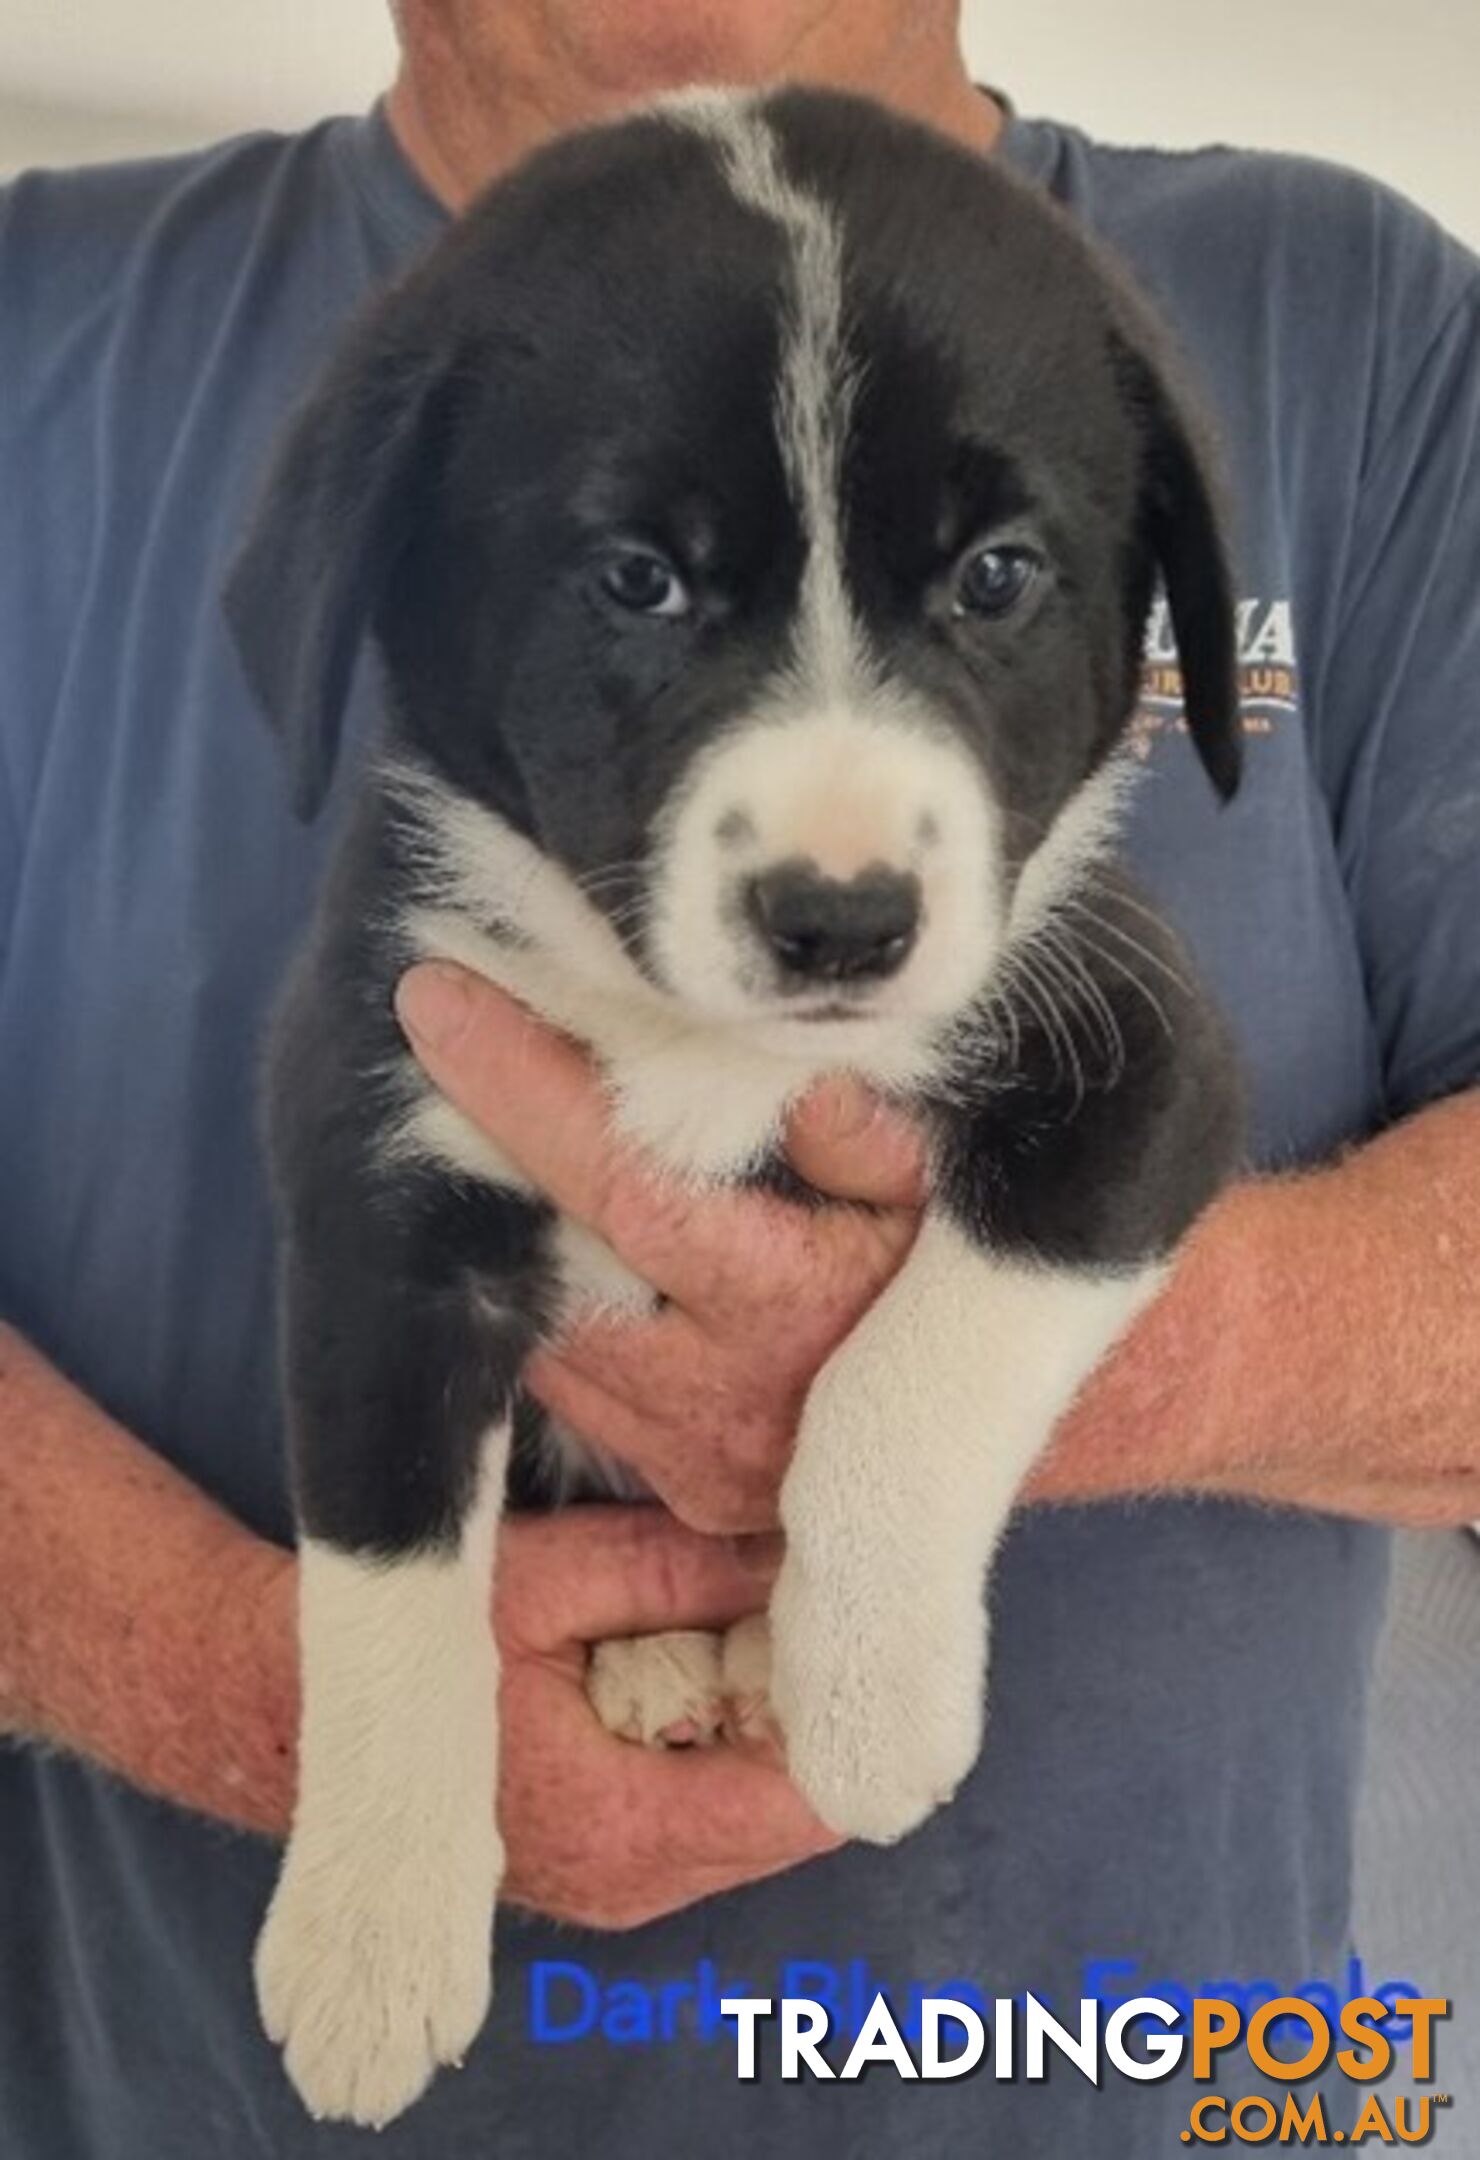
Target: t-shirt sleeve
{"type": "Point", "coordinates": [1403, 687]}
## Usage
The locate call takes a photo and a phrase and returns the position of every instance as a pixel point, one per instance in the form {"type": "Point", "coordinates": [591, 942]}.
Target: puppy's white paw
{"type": "Point", "coordinates": [370, 1982]}
{"type": "Point", "coordinates": [661, 1690]}
{"type": "Point", "coordinates": [881, 1723]}
{"type": "Point", "coordinates": [745, 1674]}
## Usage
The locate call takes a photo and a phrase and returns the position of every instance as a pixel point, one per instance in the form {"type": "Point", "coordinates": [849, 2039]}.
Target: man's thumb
{"type": "Point", "coordinates": [600, 1572]}
{"type": "Point", "coordinates": [851, 1146]}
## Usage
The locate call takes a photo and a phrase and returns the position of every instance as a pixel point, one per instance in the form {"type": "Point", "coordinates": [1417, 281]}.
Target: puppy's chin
{"type": "Point", "coordinates": [889, 1046]}
{"type": "Point", "coordinates": [893, 1033]}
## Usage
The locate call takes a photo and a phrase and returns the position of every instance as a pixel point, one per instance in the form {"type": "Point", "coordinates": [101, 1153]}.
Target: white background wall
{"type": "Point", "coordinates": [1386, 84]}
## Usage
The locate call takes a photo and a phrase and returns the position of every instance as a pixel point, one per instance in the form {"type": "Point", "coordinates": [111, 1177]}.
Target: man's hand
{"type": "Point", "coordinates": [1317, 1346]}
{"type": "Point", "coordinates": [599, 1831]}
{"type": "Point", "coordinates": [704, 1399]}
{"type": "Point", "coordinates": [144, 1628]}
{"type": "Point", "coordinates": [596, 1830]}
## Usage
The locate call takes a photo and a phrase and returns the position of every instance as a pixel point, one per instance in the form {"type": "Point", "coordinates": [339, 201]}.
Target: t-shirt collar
{"type": "Point", "coordinates": [410, 215]}
{"type": "Point", "coordinates": [402, 205]}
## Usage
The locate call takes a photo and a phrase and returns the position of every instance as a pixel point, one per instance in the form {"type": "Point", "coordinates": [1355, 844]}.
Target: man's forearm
{"type": "Point", "coordinates": [139, 1624]}
{"type": "Point", "coordinates": [1319, 1344]}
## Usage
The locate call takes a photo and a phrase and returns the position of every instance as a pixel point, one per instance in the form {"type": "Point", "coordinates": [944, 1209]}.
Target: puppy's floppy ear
{"type": "Point", "coordinates": [331, 521]}
{"type": "Point", "coordinates": [1185, 528]}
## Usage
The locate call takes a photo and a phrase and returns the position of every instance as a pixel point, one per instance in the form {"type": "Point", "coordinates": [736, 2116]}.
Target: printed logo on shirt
{"type": "Point", "coordinates": [1269, 675]}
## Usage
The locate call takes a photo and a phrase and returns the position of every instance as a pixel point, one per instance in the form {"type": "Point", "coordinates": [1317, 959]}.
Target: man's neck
{"type": "Point", "coordinates": [481, 87]}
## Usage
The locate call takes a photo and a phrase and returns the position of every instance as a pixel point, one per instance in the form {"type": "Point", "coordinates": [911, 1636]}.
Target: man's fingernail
{"type": "Point", "coordinates": [434, 1002]}
{"type": "Point", "coordinates": [841, 1110]}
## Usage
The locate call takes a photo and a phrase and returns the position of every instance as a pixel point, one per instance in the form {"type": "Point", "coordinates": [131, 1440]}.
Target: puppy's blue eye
{"type": "Point", "coordinates": [644, 582]}
{"type": "Point", "coordinates": [992, 580]}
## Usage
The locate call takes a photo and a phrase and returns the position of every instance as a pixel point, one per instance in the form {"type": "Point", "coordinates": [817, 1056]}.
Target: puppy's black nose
{"type": "Point", "coordinates": [824, 930]}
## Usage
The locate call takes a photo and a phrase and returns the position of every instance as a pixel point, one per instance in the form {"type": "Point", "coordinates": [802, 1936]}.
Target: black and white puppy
{"type": "Point", "coordinates": [757, 505]}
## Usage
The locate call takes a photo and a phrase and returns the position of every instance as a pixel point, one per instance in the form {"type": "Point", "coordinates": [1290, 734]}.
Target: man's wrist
{"type": "Point", "coordinates": [1170, 1409]}
{"type": "Point", "coordinates": [141, 1626]}
{"type": "Point", "coordinates": [246, 1761]}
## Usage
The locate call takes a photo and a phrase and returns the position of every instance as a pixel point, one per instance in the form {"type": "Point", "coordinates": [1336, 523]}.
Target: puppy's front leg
{"type": "Point", "coordinates": [374, 1965]}
{"type": "Point", "coordinates": [915, 1438]}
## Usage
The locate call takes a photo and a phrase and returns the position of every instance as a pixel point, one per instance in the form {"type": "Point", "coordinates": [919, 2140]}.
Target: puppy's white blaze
{"type": "Point", "coordinates": [374, 1963]}
{"type": "Point", "coordinates": [875, 783]}
{"type": "Point", "coordinates": [935, 1406]}
{"type": "Point", "coordinates": [817, 383]}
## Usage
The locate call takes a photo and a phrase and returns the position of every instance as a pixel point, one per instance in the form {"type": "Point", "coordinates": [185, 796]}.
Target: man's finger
{"type": "Point", "coordinates": [535, 1095]}
{"type": "Point", "coordinates": [528, 1088]}
{"type": "Point", "coordinates": [707, 1490]}
{"type": "Point", "coordinates": [587, 1573]}
{"type": "Point", "coordinates": [582, 1401]}
{"type": "Point", "coordinates": [622, 1351]}
{"type": "Point", "coordinates": [849, 1145]}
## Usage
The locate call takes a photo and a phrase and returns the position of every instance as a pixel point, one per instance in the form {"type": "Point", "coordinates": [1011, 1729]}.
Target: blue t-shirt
{"type": "Point", "coordinates": [1168, 1779]}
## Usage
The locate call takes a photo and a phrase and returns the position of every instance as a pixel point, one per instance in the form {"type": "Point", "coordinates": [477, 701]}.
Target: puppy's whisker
{"type": "Point", "coordinates": [1137, 907]}
{"type": "Point", "coordinates": [1135, 944]}
{"type": "Point", "coordinates": [1071, 1008]}
{"type": "Point", "coordinates": [1057, 945]}
{"type": "Point", "coordinates": [1142, 988]}
{"type": "Point", "coordinates": [611, 877]}
{"type": "Point", "coordinates": [628, 913]}
{"type": "Point", "coordinates": [1063, 1020]}
{"type": "Point", "coordinates": [1039, 998]}
{"type": "Point", "coordinates": [999, 1016]}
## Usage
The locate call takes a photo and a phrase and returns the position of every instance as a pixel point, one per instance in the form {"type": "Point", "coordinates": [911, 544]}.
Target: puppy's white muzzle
{"type": "Point", "coordinates": [830, 863]}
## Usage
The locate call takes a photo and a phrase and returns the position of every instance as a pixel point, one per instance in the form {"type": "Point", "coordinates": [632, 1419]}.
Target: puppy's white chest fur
{"type": "Point", "coordinates": [696, 1107]}
{"type": "Point", "coordinates": [703, 1099]}
{"type": "Point", "coordinates": [700, 1103]}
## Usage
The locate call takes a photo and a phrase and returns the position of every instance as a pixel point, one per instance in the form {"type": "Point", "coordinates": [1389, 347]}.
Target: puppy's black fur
{"type": "Point", "coordinates": [578, 477]}
{"type": "Point", "coordinates": [543, 379]}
